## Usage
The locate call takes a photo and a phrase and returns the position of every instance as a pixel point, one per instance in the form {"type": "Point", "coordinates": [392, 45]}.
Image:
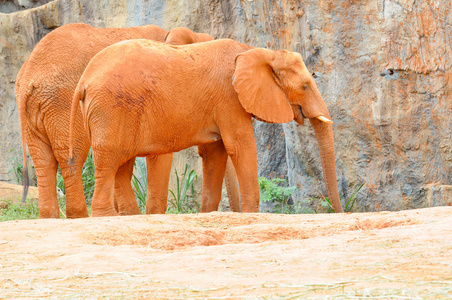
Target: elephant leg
{"type": "Point", "coordinates": [232, 187]}
{"type": "Point", "coordinates": [158, 173]}
{"type": "Point", "coordinates": [46, 168]}
{"type": "Point", "coordinates": [124, 195]}
{"type": "Point", "coordinates": [73, 183]}
{"type": "Point", "coordinates": [104, 188]}
{"type": "Point", "coordinates": [244, 157]}
{"type": "Point", "coordinates": [214, 159]}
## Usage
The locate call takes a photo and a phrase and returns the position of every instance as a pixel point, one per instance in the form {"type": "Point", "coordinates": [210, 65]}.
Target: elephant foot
{"type": "Point", "coordinates": [130, 212]}
{"type": "Point", "coordinates": [104, 213]}
{"type": "Point", "coordinates": [72, 213]}
{"type": "Point", "coordinates": [44, 216]}
{"type": "Point", "coordinates": [250, 207]}
{"type": "Point", "coordinates": [46, 213]}
{"type": "Point", "coordinates": [77, 215]}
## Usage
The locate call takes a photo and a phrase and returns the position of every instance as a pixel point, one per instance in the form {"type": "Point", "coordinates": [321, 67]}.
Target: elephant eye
{"type": "Point", "coordinates": [305, 87]}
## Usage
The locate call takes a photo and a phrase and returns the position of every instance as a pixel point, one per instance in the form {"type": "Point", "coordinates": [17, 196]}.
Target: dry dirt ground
{"type": "Point", "coordinates": [385, 255]}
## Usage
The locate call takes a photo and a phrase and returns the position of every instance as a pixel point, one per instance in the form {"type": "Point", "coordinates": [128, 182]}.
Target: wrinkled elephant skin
{"type": "Point", "coordinates": [44, 90]}
{"type": "Point", "coordinates": [141, 98]}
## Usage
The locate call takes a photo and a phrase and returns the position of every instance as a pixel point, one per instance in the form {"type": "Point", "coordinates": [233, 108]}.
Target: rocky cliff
{"type": "Point", "coordinates": [383, 67]}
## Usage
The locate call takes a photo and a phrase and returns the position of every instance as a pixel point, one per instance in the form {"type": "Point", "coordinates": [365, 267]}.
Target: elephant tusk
{"type": "Point", "coordinates": [323, 119]}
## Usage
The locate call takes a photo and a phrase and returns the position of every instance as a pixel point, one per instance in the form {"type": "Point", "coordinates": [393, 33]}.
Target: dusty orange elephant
{"type": "Point", "coordinates": [44, 88]}
{"type": "Point", "coordinates": [141, 98]}
{"type": "Point", "coordinates": [184, 36]}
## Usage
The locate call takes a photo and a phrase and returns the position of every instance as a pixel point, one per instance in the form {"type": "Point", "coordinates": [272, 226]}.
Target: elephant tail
{"type": "Point", "coordinates": [22, 99]}
{"type": "Point", "coordinates": [79, 95]}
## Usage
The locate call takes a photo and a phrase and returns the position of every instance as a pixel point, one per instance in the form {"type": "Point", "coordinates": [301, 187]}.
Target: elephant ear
{"type": "Point", "coordinates": [259, 86]}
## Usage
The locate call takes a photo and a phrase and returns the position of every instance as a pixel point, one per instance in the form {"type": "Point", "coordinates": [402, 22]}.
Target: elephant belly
{"type": "Point", "coordinates": [176, 141]}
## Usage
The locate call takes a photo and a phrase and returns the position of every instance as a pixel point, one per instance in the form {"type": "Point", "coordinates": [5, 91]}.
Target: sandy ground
{"type": "Point", "coordinates": [386, 255]}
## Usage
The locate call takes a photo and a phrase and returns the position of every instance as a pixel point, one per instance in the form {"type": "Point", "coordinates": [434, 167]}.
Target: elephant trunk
{"type": "Point", "coordinates": [324, 134]}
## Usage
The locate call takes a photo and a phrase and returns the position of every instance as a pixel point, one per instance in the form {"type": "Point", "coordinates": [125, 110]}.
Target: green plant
{"type": "Point", "coordinates": [17, 165]}
{"type": "Point", "coordinates": [87, 176]}
{"type": "Point", "coordinates": [17, 168]}
{"type": "Point", "coordinates": [17, 210]}
{"type": "Point", "coordinates": [62, 205]}
{"type": "Point", "coordinates": [182, 201]}
{"type": "Point", "coordinates": [60, 181]}
{"type": "Point", "coordinates": [278, 192]}
{"type": "Point", "coordinates": [139, 182]}
{"type": "Point", "coordinates": [348, 204]}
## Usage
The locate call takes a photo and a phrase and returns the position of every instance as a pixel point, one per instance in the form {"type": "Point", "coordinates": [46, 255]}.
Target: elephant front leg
{"type": "Point", "coordinates": [214, 159]}
{"type": "Point", "coordinates": [158, 173]}
{"type": "Point", "coordinates": [244, 157]}
{"type": "Point", "coordinates": [124, 195]}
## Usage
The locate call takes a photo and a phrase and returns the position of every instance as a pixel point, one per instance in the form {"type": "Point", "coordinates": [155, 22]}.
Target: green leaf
{"type": "Point", "coordinates": [182, 201]}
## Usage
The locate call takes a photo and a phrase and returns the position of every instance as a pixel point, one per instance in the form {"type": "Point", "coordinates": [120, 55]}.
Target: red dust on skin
{"type": "Point", "coordinates": [36, 96]}
{"type": "Point", "coordinates": [199, 110]}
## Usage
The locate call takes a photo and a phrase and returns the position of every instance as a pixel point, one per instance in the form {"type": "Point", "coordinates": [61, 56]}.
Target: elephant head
{"type": "Point", "coordinates": [276, 87]}
{"type": "Point", "coordinates": [183, 36]}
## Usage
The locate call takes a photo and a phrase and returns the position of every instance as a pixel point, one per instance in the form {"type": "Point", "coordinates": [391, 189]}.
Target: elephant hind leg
{"type": "Point", "coordinates": [124, 195]}
{"type": "Point", "coordinates": [73, 184]}
{"type": "Point", "coordinates": [104, 188]}
{"type": "Point", "coordinates": [75, 197]}
{"type": "Point", "coordinates": [104, 191]}
{"type": "Point", "coordinates": [46, 168]}
{"type": "Point", "coordinates": [214, 159]}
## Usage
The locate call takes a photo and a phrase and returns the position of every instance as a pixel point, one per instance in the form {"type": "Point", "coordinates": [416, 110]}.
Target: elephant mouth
{"type": "Point", "coordinates": [301, 111]}
{"type": "Point", "coordinates": [298, 114]}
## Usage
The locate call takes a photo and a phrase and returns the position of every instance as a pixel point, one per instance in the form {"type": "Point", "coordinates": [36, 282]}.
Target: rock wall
{"type": "Point", "coordinates": [383, 66]}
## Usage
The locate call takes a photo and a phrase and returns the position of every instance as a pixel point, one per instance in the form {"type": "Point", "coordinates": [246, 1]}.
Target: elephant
{"type": "Point", "coordinates": [184, 36]}
{"type": "Point", "coordinates": [141, 98]}
{"type": "Point", "coordinates": [44, 88]}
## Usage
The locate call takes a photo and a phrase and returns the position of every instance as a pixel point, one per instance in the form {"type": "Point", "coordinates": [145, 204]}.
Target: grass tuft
{"type": "Point", "coordinates": [348, 204]}
{"type": "Point", "coordinates": [139, 182]}
{"type": "Point", "coordinates": [17, 210]}
{"type": "Point", "coordinates": [184, 200]}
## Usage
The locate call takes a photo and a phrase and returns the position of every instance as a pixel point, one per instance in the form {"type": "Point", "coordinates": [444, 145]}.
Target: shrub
{"type": "Point", "coordinates": [278, 192]}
